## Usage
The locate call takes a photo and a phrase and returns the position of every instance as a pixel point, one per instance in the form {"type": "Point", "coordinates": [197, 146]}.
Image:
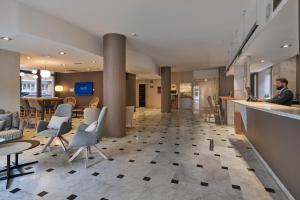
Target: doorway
{"type": "Point", "coordinates": [142, 95]}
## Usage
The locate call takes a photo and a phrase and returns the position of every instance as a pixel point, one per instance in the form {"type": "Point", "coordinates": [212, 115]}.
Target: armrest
{"type": "Point", "coordinates": [82, 127]}
{"type": "Point", "coordinates": [41, 126]}
{"type": "Point", "coordinates": [64, 128]}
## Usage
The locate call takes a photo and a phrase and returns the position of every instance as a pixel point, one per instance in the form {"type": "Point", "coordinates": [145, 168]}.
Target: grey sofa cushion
{"type": "Point", "coordinates": [8, 120]}
{"type": "Point", "coordinates": [2, 123]}
{"type": "Point", "coordinates": [11, 134]}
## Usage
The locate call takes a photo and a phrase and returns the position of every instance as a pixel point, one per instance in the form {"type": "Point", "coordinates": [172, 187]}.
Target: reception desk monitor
{"type": "Point", "coordinates": [83, 88]}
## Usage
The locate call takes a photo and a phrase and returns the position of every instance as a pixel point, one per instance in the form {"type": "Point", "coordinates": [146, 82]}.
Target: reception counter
{"type": "Point", "coordinates": [274, 131]}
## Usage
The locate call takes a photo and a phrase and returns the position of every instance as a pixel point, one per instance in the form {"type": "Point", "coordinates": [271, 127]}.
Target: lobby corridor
{"type": "Point", "coordinates": [173, 156]}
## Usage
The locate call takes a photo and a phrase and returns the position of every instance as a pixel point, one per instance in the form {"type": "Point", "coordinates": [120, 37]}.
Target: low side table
{"type": "Point", "coordinates": [15, 147]}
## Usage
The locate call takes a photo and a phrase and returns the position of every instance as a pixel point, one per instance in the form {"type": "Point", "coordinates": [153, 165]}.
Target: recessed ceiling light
{"type": "Point", "coordinates": [93, 61]}
{"type": "Point", "coordinates": [28, 57]}
{"type": "Point", "coordinates": [286, 46]}
{"type": "Point", "coordinates": [133, 34]}
{"type": "Point", "coordinates": [262, 61]}
{"type": "Point", "coordinates": [62, 53]}
{"type": "Point", "coordinates": [5, 38]}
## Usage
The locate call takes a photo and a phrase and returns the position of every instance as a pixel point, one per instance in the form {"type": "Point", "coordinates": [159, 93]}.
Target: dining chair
{"type": "Point", "coordinates": [24, 108]}
{"type": "Point", "coordinates": [35, 110]}
{"type": "Point", "coordinates": [63, 110]}
{"type": "Point", "coordinates": [84, 140]}
{"type": "Point", "coordinates": [94, 102]}
{"type": "Point", "coordinates": [70, 100]}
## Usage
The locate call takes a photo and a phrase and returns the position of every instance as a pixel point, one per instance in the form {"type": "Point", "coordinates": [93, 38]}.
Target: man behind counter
{"type": "Point", "coordinates": [285, 96]}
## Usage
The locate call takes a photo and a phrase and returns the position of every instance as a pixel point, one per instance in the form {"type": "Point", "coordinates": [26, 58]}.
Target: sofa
{"type": "Point", "coordinates": [11, 126]}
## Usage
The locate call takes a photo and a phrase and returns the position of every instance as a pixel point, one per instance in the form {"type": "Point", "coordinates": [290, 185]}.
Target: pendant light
{"type": "Point", "coordinates": [45, 73]}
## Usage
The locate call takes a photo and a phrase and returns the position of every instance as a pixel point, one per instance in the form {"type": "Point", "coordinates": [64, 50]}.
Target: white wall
{"type": "Point", "coordinates": [9, 80]}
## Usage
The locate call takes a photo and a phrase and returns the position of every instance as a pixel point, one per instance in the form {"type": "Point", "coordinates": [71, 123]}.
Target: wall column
{"type": "Point", "coordinates": [10, 81]}
{"type": "Point", "coordinates": [114, 83]}
{"type": "Point", "coordinates": [242, 80]}
{"type": "Point", "coordinates": [165, 73]}
{"type": "Point", "coordinates": [298, 59]}
{"type": "Point", "coordinates": [130, 89]}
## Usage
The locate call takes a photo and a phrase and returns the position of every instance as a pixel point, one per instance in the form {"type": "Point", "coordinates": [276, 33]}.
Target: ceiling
{"type": "Point", "coordinates": [266, 44]}
{"type": "Point", "coordinates": [186, 35]}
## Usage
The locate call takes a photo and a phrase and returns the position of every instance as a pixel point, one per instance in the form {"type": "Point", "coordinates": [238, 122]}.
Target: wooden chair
{"type": "Point", "coordinates": [214, 111]}
{"type": "Point", "coordinates": [24, 108]}
{"type": "Point", "coordinates": [70, 100]}
{"type": "Point", "coordinates": [35, 110]}
{"type": "Point", "coordinates": [94, 102]}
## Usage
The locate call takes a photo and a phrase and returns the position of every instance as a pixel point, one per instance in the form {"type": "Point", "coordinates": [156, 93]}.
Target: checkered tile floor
{"type": "Point", "coordinates": [165, 156]}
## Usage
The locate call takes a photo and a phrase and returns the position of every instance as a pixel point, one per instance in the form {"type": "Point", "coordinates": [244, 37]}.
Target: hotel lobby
{"type": "Point", "coordinates": [158, 100]}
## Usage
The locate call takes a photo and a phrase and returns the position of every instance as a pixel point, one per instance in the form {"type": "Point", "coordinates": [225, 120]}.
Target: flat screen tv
{"type": "Point", "coordinates": [83, 88]}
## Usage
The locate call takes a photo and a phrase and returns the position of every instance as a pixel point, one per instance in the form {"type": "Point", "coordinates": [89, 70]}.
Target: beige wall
{"type": "Point", "coordinates": [286, 69]}
{"type": "Point", "coordinates": [10, 80]}
{"type": "Point", "coordinates": [130, 89]}
{"type": "Point", "coordinates": [153, 99]}
{"type": "Point", "coordinates": [68, 80]}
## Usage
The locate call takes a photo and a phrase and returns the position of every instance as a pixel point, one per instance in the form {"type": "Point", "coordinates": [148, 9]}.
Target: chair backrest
{"type": "Point", "coordinates": [100, 125]}
{"type": "Point", "coordinates": [91, 114]}
{"type": "Point", "coordinates": [94, 102]}
{"type": "Point", "coordinates": [210, 102]}
{"type": "Point", "coordinates": [2, 111]}
{"type": "Point", "coordinates": [33, 103]}
{"type": "Point", "coordinates": [70, 100]}
{"type": "Point", "coordinates": [129, 115]}
{"type": "Point", "coordinates": [24, 104]}
{"type": "Point", "coordinates": [64, 110]}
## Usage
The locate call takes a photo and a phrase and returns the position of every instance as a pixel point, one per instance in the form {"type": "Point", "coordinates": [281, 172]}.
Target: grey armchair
{"type": "Point", "coordinates": [63, 110]}
{"type": "Point", "coordinates": [85, 140]}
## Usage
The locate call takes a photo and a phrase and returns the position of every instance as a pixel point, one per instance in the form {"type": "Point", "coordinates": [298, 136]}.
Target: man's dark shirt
{"type": "Point", "coordinates": [285, 97]}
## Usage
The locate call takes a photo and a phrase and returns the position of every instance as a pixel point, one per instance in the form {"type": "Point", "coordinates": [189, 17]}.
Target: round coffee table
{"type": "Point", "coordinates": [15, 147]}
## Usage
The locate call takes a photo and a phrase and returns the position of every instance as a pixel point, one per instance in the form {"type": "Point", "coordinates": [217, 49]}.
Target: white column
{"type": "Point", "coordinates": [9, 81]}
{"type": "Point", "coordinates": [242, 79]}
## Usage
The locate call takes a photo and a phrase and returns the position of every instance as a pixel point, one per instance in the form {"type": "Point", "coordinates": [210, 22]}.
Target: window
{"type": "Point", "coordinates": [48, 87]}
{"type": "Point", "coordinates": [28, 86]}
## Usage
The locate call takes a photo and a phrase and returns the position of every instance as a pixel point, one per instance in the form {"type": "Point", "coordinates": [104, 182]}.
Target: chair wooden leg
{"type": "Point", "coordinates": [76, 153]}
{"type": "Point", "coordinates": [47, 144]}
{"type": "Point", "coordinates": [100, 152]}
{"type": "Point", "coordinates": [62, 144]}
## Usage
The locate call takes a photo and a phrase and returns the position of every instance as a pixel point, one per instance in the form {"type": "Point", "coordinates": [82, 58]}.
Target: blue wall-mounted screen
{"type": "Point", "coordinates": [84, 88]}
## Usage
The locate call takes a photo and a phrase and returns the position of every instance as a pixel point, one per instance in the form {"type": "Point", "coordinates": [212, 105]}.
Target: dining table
{"type": "Point", "coordinates": [45, 101]}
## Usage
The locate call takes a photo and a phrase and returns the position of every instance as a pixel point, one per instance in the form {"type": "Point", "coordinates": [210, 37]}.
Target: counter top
{"type": "Point", "coordinates": [285, 111]}
{"type": "Point", "coordinates": [226, 98]}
